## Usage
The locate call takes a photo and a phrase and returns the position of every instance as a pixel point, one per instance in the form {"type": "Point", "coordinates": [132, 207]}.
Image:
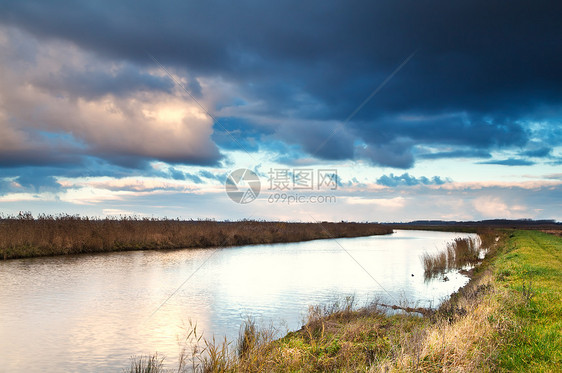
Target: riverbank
{"type": "Point", "coordinates": [24, 236]}
{"type": "Point", "coordinates": [508, 318]}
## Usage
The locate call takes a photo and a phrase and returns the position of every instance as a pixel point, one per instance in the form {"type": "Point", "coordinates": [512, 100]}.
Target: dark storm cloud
{"type": "Point", "coordinates": [395, 153]}
{"type": "Point", "coordinates": [323, 139]}
{"type": "Point", "coordinates": [93, 83]}
{"type": "Point", "coordinates": [237, 134]}
{"type": "Point", "coordinates": [480, 67]}
{"type": "Point", "coordinates": [38, 157]}
{"type": "Point", "coordinates": [454, 130]}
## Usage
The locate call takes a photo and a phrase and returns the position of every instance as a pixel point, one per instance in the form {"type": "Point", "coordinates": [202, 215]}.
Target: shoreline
{"type": "Point", "coordinates": [507, 318]}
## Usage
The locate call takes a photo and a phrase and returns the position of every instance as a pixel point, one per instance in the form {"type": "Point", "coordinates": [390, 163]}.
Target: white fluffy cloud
{"type": "Point", "coordinates": [58, 99]}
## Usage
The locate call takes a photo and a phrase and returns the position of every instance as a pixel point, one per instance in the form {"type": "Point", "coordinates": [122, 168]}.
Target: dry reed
{"type": "Point", "coordinates": [458, 253]}
{"type": "Point", "coordinates": [25, 236]}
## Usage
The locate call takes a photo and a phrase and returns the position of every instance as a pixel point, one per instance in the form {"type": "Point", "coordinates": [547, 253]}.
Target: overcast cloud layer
{"type": "Point", "coordinates": [82, 94]}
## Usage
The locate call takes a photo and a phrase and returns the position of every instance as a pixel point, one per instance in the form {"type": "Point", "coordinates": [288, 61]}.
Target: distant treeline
{"type": "Point", "coordinates": [25, 236]}
{"type": "Point", "coordinates": [473, 226]}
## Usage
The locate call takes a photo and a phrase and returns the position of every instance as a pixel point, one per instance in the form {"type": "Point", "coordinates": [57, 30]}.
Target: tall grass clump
{"type": "Point", "coordinates": [247, 339]}
{"type": "Point", "coordinates": [250, 353]}
{"type": "Point", "coordinates": [25, 236]}
{"type": "Point", "coordinates": [467, 251]}
{"type": "Point", "coordinates": [435, 263]}
{"type": "Point", "coordinates": [459, 253]}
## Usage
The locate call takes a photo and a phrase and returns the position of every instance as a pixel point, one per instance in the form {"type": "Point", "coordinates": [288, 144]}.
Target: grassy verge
{"type": "Point", "coordinates": [530, 271]}
{"type": "Point", "coordinates": [508, 318]}
{"type": "Point", "coordinates": [24, 236]}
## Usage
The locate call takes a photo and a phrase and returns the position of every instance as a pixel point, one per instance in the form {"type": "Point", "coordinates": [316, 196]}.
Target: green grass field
{"type": "Point", "coordinates": [531, 268]}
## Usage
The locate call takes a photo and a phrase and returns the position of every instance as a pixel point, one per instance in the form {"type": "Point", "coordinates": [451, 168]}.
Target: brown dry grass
{"type": "Point", "coordinates": [25, 236]}
{"type": "Point", "coordinates": [458, 253]}
{"type": "Point", "coordinates": [461, 338]}
{"type": "Point", "coordinates": [556, 232]}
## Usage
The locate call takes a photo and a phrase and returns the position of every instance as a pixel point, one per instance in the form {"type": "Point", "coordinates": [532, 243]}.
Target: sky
{"type": "Point", "coordinates": [344, 110]}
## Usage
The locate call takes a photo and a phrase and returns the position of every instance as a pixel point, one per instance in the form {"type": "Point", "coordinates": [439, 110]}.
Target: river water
{"type": "Point", "coordinates": [91, 313]}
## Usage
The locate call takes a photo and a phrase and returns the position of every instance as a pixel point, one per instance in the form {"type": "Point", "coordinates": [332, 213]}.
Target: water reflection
{"type": "Point", "coordinates": [92, 312]}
